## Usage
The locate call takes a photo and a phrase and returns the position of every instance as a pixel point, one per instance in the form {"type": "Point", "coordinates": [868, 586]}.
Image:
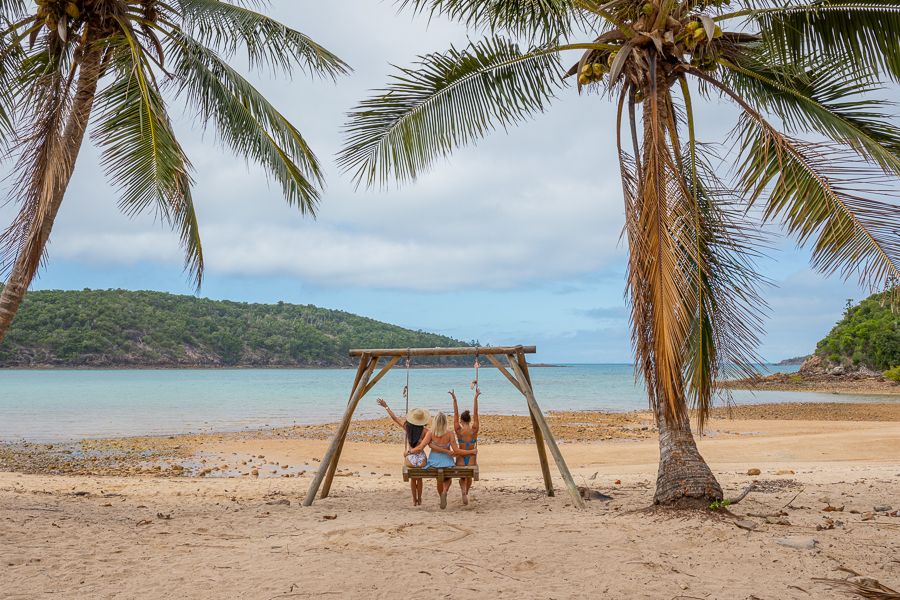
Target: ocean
{"type": "Point", "coordinates": [62, 405]}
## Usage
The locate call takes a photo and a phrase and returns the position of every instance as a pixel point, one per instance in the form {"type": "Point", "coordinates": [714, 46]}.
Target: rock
{"type": "Point", "coordinates": [281, 502]}
{"type": "Point", "coordinates": [798, 543]}
{"type": "Point", "coordinates": [784, 472]}
{"type": "Point", "coordinates": [746, 524]}
{"type": "Point", "coordinates": [883, 508]}
{"type": "Point", "coordinates": [868, 516]}
{"type": "Point", "coordinates": [255, 472]}
{"type": "Point", "coordinates": [754, 472]}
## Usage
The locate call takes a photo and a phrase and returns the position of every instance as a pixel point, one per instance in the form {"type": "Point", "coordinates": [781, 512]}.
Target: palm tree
{"type": "Point", "coordinates": [813, 151]}
{"type": "Point", "coordinates": [64, 63]}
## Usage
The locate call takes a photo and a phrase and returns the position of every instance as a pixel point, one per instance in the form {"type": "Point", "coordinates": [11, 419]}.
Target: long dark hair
{"type": "Point", "coordinates": [465, 417]}
{"type": "Point", "coordinates": [414, 433]}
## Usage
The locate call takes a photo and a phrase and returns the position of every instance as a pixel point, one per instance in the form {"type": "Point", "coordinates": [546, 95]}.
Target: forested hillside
{"type": "Point", "coordinates": [118, 328]}
{"type": "Point", "coordinates": [868, 336]}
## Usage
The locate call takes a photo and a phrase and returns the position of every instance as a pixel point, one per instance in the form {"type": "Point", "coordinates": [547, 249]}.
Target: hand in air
{"type": "Point", "coordinates": [452, 393]}
{"type": "Point", "coordinates": [381, 403]}
{"type": "Point", "coordinates": [477, 391]}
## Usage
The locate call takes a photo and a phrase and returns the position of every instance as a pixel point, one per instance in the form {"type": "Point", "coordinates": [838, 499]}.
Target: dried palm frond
{"type": "Point", "coordinates": [865, 587]}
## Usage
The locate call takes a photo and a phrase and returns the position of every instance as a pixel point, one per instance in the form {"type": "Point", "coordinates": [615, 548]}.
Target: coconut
{"type": "Point", "coordinates": [597, 69]}
{"type": "Point", "coordinates": [72, 10]}
{"type": "Point", "coordinates": [692, 25]}
{"type": "Point", "coordinates": [583, 80]}
{"type": "Point", "coordinates": [699, 34]}
{"type": "Point", "coordinates": [647, 9]}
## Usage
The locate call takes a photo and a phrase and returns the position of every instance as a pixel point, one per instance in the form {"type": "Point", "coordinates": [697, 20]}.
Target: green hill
{"type": "Point", "coordinates": [118, 328]}
{"type": "Point", "coordinates": [867, 337]}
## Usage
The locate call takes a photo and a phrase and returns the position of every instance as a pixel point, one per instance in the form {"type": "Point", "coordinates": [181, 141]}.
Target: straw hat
{"type": "Point", "coordinates": [418, 416]}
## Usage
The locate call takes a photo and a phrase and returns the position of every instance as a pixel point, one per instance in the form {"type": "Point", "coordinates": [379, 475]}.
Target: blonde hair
{"type": "Point", "coordinates": [439, 425]}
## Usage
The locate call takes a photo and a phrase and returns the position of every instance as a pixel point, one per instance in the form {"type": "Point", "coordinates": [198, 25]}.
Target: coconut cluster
{"type": "Point", "coordinates": [679, 36]}
{"type": "Point", "coordinates": [592, 72]}
{"type": "Point", "coordinates": [71, 17]}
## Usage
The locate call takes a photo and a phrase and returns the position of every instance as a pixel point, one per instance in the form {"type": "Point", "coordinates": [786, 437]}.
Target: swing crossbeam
{"type": "Point", "coordinates": [516, 372]}
{"type": "Point", "coordinates": [455, 351]}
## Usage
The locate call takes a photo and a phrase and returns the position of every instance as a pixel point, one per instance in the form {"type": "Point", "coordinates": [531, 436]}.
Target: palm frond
{"type": "Point", "coordinates": [727, 319]}
{"type": "Point", "coordinates": [228, 27]}
{"type": "Point", "coordinates": [827, 199]}
{"type": "Point", "coordinates": [446, 101]}
{"type": "Point", "coordinates": [831, 100]}
{"type": "Point", "coordinates": [860, 34]}
{"type": "Point", "coordinates": [42, 159]}
{"type": "Point", "coordinates": [840, 205]}
{"type": "Point", "coordinates": [11, 56]}
{"type": "Point", "coordinates": [543, 20]}
{"type": "Point", "coordinates": [141, 155]}
{"type": "Point", "coordinates": [245, 121]}
{"type": "Point", "coordinates": [659, 286]}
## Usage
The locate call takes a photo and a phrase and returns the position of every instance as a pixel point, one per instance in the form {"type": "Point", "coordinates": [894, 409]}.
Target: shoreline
{"type": "Point", "coordinates": [183, 455]}
{"type": "Point", "coordinates": [825, 384]}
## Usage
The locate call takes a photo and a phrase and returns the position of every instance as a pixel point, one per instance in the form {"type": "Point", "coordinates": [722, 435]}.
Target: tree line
{"type": "Point", "coordinates": [120, 328]}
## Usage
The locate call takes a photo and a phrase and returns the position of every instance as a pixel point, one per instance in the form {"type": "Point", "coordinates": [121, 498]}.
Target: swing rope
{"type": "Point", "coordinates": [474, 384]}
{"type": "Point", "coordinates": [406, 395]}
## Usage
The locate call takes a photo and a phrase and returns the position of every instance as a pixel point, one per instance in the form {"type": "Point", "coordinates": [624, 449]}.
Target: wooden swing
{"type": "Point", "coordinates": [457, 472]}
{"type": "Point", "coordinates": [516, 373]}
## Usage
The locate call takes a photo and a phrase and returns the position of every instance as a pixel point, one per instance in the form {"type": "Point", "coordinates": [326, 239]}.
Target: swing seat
{"type": "Point", "coordinates": [446, 473]}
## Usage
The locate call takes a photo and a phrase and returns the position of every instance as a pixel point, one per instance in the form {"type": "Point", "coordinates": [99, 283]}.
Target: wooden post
{"type": "Point", "coordinates": [368, 364]}
{"type": "Point", "coordinates": [538, 436]}
{"type": "Point", "coordinates": [536, 414]}
{"type": "Point", "coordinates": [332, 468]}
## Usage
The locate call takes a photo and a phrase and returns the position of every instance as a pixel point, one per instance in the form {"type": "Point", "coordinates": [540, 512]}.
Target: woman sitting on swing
{"type": "Point", "coordinates": [417, 438]}
{"type": "Point", "coordinates": [466, 427]}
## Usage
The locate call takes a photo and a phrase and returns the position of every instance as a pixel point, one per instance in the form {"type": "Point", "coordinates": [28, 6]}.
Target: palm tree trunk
{"type": "Point", "coordinates": [27, 260]}
{"type": "Point", "coordinates": [658, 314]}
{"type": "Point", "coordinates": [683, 476]}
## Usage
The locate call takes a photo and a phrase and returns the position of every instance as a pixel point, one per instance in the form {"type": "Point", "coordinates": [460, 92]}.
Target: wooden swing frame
{"type": "Point", "coordinates": [517, 374]}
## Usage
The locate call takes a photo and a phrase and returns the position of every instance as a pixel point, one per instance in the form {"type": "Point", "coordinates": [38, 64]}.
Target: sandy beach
{"type": "Point", "coordinates": [154, 532]}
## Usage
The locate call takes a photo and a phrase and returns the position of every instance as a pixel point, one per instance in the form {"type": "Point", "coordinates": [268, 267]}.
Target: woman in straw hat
{"type": "Point", "coordinates": [417, 439]}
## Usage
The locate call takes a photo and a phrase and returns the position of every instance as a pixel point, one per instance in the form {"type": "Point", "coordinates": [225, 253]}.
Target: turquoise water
{"type": "Point", "coordinates": [65, 405]}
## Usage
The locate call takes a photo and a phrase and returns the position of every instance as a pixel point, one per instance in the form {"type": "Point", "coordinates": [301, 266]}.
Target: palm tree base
{"type": "Point", "coordinates": [684, 478]}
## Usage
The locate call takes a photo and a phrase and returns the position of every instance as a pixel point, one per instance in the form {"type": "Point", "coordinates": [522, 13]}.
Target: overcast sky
{"type": "Point", "coordinates": [513, 241]}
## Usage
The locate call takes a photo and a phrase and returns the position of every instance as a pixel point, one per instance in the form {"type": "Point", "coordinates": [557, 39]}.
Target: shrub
{"type": "Point", "coordinates": [893, 374]}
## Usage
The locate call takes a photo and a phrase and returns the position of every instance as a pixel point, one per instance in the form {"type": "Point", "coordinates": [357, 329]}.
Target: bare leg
{"type": "Point", "coordinates": [443, 485]}
{"type": "Point", "coordinates": [464, 491]}
{"type": "Point", "coordinates": [412, 488]}
{"type": "Point", "coordinates": [418, 491]}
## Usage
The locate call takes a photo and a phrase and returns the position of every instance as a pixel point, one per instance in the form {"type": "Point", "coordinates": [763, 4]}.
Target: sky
{"type": "Point", "coordinates": [514, 240]}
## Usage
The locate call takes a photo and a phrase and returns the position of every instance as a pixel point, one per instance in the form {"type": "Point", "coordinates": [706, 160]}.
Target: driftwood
{"type": "Point", "coordinates": [742, 495]}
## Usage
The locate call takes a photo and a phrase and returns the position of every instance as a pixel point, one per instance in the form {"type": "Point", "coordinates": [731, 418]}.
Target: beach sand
{"type": "Point", "coordinates": [154, 535]}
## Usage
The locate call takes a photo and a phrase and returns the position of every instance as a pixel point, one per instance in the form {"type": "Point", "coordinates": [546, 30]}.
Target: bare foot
{"type": "Point", "coordinates": [465, 499]}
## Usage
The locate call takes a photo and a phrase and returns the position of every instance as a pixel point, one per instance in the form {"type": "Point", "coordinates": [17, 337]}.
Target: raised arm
{"type": "Point", "coordinates": [455, 411]}
{"type": "Point", "coordinates": [475, 410]}
{"type": "Point", "coordinates": [390, 413]}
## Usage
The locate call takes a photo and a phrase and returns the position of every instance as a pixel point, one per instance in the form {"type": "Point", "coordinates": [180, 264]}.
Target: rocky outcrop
{"type": "Point", "coordinates": [816, 366]}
